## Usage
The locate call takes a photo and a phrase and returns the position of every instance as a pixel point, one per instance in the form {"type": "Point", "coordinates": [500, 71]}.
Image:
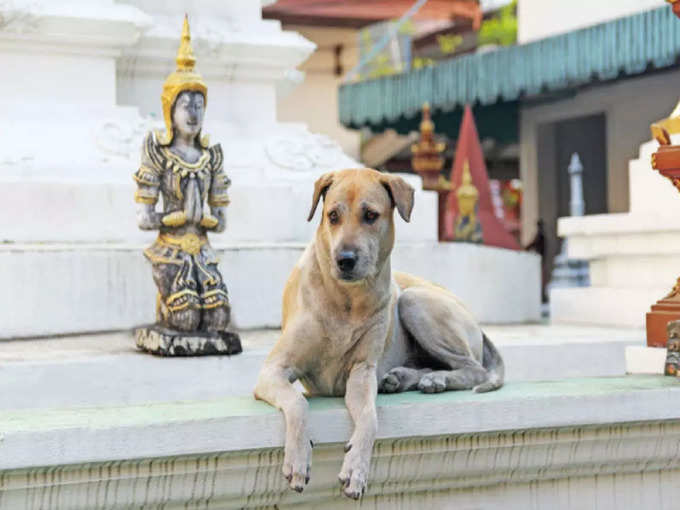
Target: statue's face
{"type": "Point", "coordinates": [187, 116]}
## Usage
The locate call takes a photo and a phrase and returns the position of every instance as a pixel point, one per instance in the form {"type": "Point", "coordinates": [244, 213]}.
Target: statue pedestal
{"type": "Point", "coordinates": [667, 161]}
{"type": "Point", "coordinates": [664, 311]}
{"type": "Point", "coordinates": [164, 342]}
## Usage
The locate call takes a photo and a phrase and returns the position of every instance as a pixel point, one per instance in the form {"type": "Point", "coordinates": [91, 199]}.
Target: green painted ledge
{"type": "Point", "coordinates": [234, 407]}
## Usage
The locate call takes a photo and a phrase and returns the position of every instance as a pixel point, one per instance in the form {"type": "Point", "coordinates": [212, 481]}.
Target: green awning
{"type": "Point", "coordinates": [622, 47]}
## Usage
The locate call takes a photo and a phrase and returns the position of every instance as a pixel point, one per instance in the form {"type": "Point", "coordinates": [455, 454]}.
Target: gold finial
{"type": "Point", "coordinates": [426, 125]}
{"type": "Point", "coordinates": [185, 54]}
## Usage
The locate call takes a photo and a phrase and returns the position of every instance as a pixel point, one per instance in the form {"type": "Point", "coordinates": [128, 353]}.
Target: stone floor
{"type": "Point", "coordinates": [118, 342]}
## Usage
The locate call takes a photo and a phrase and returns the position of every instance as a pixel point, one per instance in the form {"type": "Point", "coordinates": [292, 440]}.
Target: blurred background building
{"type": "Point", "coordinates": [545, 80]}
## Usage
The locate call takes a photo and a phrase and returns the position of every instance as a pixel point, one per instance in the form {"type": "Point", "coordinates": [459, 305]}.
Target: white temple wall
{"type": "Point", "coordinates": [73, 79]}
{"type": "Point", "coordinates": [541, 18]}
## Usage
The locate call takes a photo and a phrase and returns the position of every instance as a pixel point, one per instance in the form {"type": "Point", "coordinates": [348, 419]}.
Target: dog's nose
{"type": "Point", "coordinates": [346, 261]}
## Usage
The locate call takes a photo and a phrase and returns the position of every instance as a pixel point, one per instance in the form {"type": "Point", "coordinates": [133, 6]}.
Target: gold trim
{"type": "Point", "coordinates": [205, 155]}
{"type": "Point", "coordinates": [155, 259]}
{"type": "Point", "coordinates": [218, 302]}
{"type": "Point", "coordinates": [141, 180]}
{"type": "Point", "coordinates": [178, 295]}
{"type": "Point", "coordinates": [219, 200]}
{"type": "Point", "coordinates": [177, 180]}
{"type": "Point", "coordinates": [189, 243]}
{"type": "Point", "coordinates": [142, 198]}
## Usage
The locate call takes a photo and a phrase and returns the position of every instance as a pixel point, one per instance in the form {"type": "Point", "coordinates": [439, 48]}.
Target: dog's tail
{"type": "Point", "coordinates": [492, 361]}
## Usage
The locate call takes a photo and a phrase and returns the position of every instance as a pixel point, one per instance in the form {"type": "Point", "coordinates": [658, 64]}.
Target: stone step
{"type": "Point", "coordinates": [604, 306]}
{"type": "Point", "coordinates": [77, 288]}
{"type": "Point", "coordinates": [107, 369]}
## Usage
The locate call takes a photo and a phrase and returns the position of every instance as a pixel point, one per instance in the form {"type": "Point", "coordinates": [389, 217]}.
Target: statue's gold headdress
{"type": "Point", "coordinates": [184, 78]}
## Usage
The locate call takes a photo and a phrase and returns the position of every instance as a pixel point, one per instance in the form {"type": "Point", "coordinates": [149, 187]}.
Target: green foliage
{"type": "Point", "coordinates": [501, 29]}
{"type": "Point", "coordinates": [420, 62]}
{"type": "Point", "coordinates": [407, 28]}
{"type": "Point", "coordinates": [380, 66]}
{"type": "Point", "coordinates": [449, 43]}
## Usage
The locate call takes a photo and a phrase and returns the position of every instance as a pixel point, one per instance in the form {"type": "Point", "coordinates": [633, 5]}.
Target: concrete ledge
{"type": "Point", "coordinates": [569, 442]}
{"type": "Point", "coordinates": [70, 436]}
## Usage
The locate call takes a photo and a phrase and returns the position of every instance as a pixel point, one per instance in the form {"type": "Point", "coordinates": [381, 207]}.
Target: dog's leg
{"type": "Point", "coordinates": [449, 334]}
{"type": "Point", "coordinates": [275, 386]}
{"type": "Point", "coordinates": [360, 396]}
{"type": "Point", "coordinates": [402, 379]}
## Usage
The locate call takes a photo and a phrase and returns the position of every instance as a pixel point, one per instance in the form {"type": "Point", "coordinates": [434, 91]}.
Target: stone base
{"type": "Point", "coordinates": [645, 360]}
{"type": "Point", "coordinates": [603, 306]}
{"type": "Point", "coordinates": [165, 342]}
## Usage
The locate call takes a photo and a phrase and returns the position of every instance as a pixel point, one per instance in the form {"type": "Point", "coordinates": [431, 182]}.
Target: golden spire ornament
{"type": "Point", "coordinates": [182, 79]}
{"type": "Point", "coordinates": [427, 160]}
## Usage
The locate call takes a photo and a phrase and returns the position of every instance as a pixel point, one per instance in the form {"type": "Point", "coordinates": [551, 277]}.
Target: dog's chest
{"type": "Point", "coordinates": [337, 352]}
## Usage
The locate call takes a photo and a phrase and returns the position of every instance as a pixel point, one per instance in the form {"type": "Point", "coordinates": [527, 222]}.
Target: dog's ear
{"type": "Point", "coordinates": [320, 187]}
{"type": "Point", "coordinates": [401, 193]}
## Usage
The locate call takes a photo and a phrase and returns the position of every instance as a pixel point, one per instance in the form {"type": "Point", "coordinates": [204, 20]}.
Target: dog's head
{"type": "Point", "coordinates": [357, 226]}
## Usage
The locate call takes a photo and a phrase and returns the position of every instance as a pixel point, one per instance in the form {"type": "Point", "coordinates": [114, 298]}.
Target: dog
{"type": "Point", "coordinates": [350, 327]}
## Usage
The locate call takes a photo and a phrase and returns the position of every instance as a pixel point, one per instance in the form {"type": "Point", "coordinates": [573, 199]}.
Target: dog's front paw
{"type": "Point", "coordinates": [390, 383]}
{"type": "Point", "coordinates": [353, 474]}
{"type": "Point", "coordinates": [297, 463]}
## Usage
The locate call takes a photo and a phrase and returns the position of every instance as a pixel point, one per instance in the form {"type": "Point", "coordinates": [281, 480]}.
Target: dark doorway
{"type": "Point", "coordinates": [557, 141]}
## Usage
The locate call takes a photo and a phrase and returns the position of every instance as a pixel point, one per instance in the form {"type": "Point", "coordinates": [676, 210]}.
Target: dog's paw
{"type": "Point", "coordinates": [353, 474]}
{"type": "Point", "coordinates": [390, 383]}
{"type": "Point", "coordinates": [297, 463]}
{"type": "Point", "coordinates": [432, 383]}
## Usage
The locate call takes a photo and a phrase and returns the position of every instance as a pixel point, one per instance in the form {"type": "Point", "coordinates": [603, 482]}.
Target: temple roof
{"type": "Point", "coordinates": [359, 13]}
{"type": "Point", "coordinates": [619, 48]}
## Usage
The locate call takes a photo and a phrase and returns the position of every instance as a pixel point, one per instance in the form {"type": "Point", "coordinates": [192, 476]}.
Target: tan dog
{"type": "Point", "coordinates": [350, 326]}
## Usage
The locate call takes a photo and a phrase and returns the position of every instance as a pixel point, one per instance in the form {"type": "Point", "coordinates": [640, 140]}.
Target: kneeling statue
{"type": "Point", "coordinates": [192, 305]}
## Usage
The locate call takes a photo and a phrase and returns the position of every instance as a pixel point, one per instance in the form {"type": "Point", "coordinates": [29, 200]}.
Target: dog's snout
{"type": "Point", "coordinates": [346, 260]}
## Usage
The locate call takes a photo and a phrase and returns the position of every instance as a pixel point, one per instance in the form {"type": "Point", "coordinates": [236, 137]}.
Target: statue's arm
{"type": "Point", "coordinates": [218, 198]}
{"type": "Point", "coordinates": [147, 217]}
{"type": "Point", "coordinates": [146, 197]}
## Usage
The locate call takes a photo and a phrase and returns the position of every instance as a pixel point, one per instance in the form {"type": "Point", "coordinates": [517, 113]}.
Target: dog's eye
{"type": "Point", "coordinates": [333, 217]}
{"type": "Point", "coordinates": [370, 216]}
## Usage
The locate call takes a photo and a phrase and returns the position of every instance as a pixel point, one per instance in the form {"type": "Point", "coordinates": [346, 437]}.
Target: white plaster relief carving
{"type": "Point", "coordinates": [120, 138]}
{"type": "Point", "coordinates": [304, 152]}
{"type": "Point", "coordinates": [19, 17]}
